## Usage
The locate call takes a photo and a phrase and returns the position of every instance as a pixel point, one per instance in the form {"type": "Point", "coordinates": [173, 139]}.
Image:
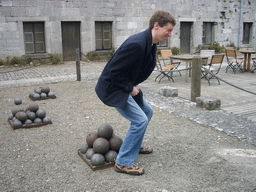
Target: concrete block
{"type": "Point", "coordinates": [6, 12]}
{"type": "Point", "coordinates": [168, 91]}
{"type": "Point", "coordinates": [70, 11]}
{"type": "Point", "coordinates": [121, 39]}
{"type": "Point", "coordinates": [18, 12]}
{"type": "Point", "coordinates": [45, 11]}
{"type": "Point", "coordinates": [32, 12]}
{"type": "Point", "coordinates": [6, 3]}
{"type": "Point", "coordinates": [13, 44]}
{"type": "Point", "coordinates": [10, 26]}
{"type": "Point", "coordinates": [208, 103]}
{"type": "Point", "coordinates": [2, 43]}
{"type": "Point", "coordinates": [132, 25]}
{"type": "Point", "coordinates": [121, 25]}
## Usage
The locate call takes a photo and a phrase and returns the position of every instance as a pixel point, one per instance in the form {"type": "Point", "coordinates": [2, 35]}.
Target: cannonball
{"type": "Point", "coordinates": [25, 109]}
{"type": "Point", "coordinates": [28, 122]}
{"type": "Point", "coordinates": [31, 94]}
{"type": "Point", "coordinates": [111, 156]}
{"type": "Point", "coordinates": [33, 107]}
{"type": "Point", "coordinates": [43, 95]}
{"type": "Point", "coordinates": [84, 148]}
{"type": "Point", "coordinates": [38, 120]}
{"type": "Point", "coordinates": [91, 137]}
{"type": "Point", "coordinates": [45, 89]}
{"type": "Point", "coordinates": [36, 96]}
{"type": "Point", "coordinates": [17, 123]}
{"type": "Point", "coordinates": [16, 110]}
{"type": "Point", "coordinates": [31, 115]}
{"type": "Point", "coordinates": [115, 142]}
{"type": "Point", "coordinates": [89, 153]}
{"type": "Point", "coordinates": [17, 101]}
{"type": "Point", "coordinates": [10, 116]}
{"type": "Point", "coordinates": [51, 94]}
{"type": "Point", "coordinates": [40, 113]}
{"type": "Point", "coordinates": [22, 116]}
{"type": "Point", "coordinates": [38, 90]}
{"type": "Point", "coordinates": [47, 119]}
{"type": "Point", "coordinates": [97, 159]}
{"type": "Point", "coordinates": [105, 130]}
{"type": "Point", "coordinates": [101, 145]}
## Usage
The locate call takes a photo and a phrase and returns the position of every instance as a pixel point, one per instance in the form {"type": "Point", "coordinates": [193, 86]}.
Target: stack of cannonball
{"type": "Point", "coordinates": [102, 145]}
{"type": "Point", "coordinates": [42, 93]}
{"type": "Point", "coordinates": [28, 116]}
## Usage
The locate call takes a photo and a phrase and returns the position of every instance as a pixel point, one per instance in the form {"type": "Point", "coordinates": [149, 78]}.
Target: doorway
{"type": "Point", "coordinates": [185, 36]}
{"type": "Point", "coordinates": [70, 40]}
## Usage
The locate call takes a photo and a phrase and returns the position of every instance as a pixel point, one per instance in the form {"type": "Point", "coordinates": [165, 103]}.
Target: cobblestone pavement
{"type": "Point", "coordinates": [228, 121]}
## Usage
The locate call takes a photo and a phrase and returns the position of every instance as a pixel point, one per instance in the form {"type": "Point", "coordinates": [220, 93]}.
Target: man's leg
{"type": "Point", "coordinates": [139, 117]}
{"type": "Point", "coordinates": [147, 109]}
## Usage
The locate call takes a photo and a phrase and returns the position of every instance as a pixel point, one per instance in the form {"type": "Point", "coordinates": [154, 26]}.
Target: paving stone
{"type": "Point", "coordinates": [208, 103]}
{"type": "Point", "coordinates": [168, 91]}
{"type": "Point", "coordinates": [221, 120]}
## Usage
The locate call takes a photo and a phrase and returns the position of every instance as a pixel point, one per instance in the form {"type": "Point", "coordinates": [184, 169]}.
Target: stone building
{"type": "Point", "coordinates": [41, 27]}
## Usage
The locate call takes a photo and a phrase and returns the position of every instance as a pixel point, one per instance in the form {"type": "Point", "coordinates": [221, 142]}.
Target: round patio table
{"type": "Point", "coordinates": [247, 59]}
{"type": "Point", "coordinates": [188, 59]}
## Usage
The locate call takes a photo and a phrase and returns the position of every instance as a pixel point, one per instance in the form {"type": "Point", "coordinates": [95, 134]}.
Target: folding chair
{"type": "Point", "coordinates": [233, 62]}
{"type": "Point", "coordinates": [165, 71]}
{"type": "Point", "coordinates": [253, 67]}
{"type": "Point", "coordinates": [213, 68]}
{"type": "Point", "coordinates": [165, 54]}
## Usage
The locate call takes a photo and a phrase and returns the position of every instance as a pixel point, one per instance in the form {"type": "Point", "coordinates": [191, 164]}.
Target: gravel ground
{"type": "Point", "coordinates": [187, 156]}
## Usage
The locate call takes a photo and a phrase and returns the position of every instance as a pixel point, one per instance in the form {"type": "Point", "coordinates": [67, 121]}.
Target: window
{"type": "Point", "coordinates": [247, 33]}
{"type": "Point", "coordinates": [103, 35]}
{"type": "Point", "coordinates": [34, 37]}
{"type": "Point", "coordinates": [207, 33]}
{"type": "Point", "coordinates": [163, 44]}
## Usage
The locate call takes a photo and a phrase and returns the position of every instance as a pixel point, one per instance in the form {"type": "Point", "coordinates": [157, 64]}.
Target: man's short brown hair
{"type": "Point", "coordinates": [162, 18]}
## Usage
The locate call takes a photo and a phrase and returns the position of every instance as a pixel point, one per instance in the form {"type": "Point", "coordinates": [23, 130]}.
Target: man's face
{"type": "Point", "coordinates": [164, 32]}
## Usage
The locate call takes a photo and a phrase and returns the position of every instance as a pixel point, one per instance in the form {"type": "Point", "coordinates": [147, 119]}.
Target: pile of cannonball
{"type": "Point", "coordinates": [102, 145]}
{"type": "Point", "coordinates": [42, 93]}
{"type": "Point", "coordinates": [27, 116]}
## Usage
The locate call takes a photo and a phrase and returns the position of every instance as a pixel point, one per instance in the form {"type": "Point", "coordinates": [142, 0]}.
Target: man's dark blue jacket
{"type": "Point", "coordinates": [131, 64]}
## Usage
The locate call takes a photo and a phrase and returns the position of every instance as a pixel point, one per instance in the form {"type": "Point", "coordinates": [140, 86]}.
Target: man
{"type": "Point", "coordinates": [117, 86]}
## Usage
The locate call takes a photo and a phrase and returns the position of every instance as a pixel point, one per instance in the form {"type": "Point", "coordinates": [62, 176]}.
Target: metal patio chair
{"type": "Point", "coordinates": [211, 70]}
{"type": "Point", "coordinates": [164, 70]}
{"type": "Point", "coordinates": [234, 63]}
{"type": "Point", "coordinates": [253, 67]}
{"type": "Point", "coordinates": [165, 57]}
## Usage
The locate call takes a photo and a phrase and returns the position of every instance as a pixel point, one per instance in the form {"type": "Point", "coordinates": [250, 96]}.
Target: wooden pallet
{"type": "Point", "coordinates": [42, 98]}
{"type": "Point", "coordinates": [94, 168]}
{"type": "Point", "coordinates": [28, 126]}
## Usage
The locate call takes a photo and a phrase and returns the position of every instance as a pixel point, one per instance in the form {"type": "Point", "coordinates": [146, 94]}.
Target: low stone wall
{"type": "Point", "coordinates": [208, 103]}
{"type": "Point", "coordinates": [168, 91]}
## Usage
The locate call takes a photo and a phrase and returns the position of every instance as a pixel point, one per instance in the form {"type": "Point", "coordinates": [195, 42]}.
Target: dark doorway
{"type": "Point", "coordinates": [70, 40]}
{"type": "Point", "coordinates": [185, 36]}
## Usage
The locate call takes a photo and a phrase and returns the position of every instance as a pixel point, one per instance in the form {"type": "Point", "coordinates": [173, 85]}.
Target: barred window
{"type": "Point", "coordinates": [207, 33]}
{"type": "Point", "coordinates": [34, 37]}
{"type": "Point", "coordinates": [247, 33]}
{"type": "Point", "coordinates": [103, 35]}
{"type": "Point", "coordinates": [163, 44]}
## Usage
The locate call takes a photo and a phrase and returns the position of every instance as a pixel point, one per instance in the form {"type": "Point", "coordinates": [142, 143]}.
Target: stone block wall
{"type": "Point", "coordinates": [127, 17]}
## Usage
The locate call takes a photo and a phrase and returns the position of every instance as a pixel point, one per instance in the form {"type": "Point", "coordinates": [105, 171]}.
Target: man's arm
{"type": "Point", "coordinates": [135, 91]}
{"type": "Point", "coordinates": [122, 63]}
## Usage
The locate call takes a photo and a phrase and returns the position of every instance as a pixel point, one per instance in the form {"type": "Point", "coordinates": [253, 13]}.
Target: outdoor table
{"type": "Point", "coordinates": [188, 59]}
{"type": "Point", "coordinates": [247, 59]}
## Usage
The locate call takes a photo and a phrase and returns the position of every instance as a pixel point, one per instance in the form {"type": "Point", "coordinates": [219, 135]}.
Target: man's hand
{"type": "Point", "coordinates": [135, 91]}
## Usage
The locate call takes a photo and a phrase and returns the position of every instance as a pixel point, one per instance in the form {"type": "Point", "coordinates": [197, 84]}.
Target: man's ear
{"type": "Point", "coordinates": [156, 25]}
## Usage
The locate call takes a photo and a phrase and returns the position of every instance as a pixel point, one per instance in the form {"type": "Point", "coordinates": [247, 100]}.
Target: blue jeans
{"type": "Point", "coordinates": [139, 115]}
